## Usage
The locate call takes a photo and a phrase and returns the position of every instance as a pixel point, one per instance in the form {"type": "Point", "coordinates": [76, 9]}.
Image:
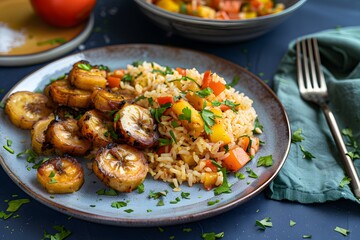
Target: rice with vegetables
{"type": "Point", "coordinates": [185, 155]}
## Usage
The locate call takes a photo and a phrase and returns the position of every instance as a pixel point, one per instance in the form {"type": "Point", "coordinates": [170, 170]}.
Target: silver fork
{"type": "Point", "coordinates": [313, 88]}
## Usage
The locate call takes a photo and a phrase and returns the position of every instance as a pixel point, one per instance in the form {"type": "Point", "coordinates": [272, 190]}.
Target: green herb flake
{"type": "Point", "coordinates": [164, 142]}
{"type": "Point", "coordinates": [264, 223]}
{"type": "Point", "coordinates": [52, 41]}
{"type": "Point", "coordinates": [137, 63]}
{"type": "Point", "coordinates": [31, 156]}
{"type": "Point", "coordinates": [240, 175]}
{"type": "Point", "coordinates": [92, 205]}
{"type": "Point", "coordinates": [341, 230]}
{"type": "Point", "coordinates": [161, 229]}
{"type": "Point", "coordinates": [204, 92]}
{"type": "Point", "coordinates": [307, 155]}
{"type": "Point", "coordinates": [160, 203]}
{"type": "Point", "coordinates": [266, 161]}
{"type": "Point", "coordinates": [306, 236]}
{"type": "Point", "coordinates": [128, 210]}
{"type": "Point", "coordinates": [8, 142]}
{"type": "Point", "coordinates": [107, 192]}
{"type": "Point", "coordinates": [139, 98]}
{"type": "Point", "coordinates": [251, 173]}
{"type": "Point", "coordinates": [118, 204]}
{"type": "Point", "coordinates": [186, 114]}
{"type": "Point", "coordinates": [151, 101]}
{"type": "Point", "coordinates": [185, 195]}
{"type": "Point", "coordinates": [85, 66]}
{"type": "Point", "coordinates": [157, 195]}
{"type": "Point", "coordinates": [234, 81]}
{"type": "Point", "coordinates": [141, 188]}
{"type": "Point", "coordinates": [210, 203]}
{"type": "Point", "coordinates": [10, 150]}
{"type": "Point", "coordinates": [212, 235]}
{"type": "Point", "coordinates": [127, 78]}
{"type": "Point", "coordinates": [187, 230]}
{"type": "Point", "coordinates": [60, 235]}
{"type": "Point", "coordinates": [225, 187]}
{"type": "Point", "coordinates": [174, 124]}
{"type": "Point", "coordinates": [173, 136]}
{"type": "Point", "coordinates": [292, 223]}
{"type": "Point", "coordinates": [296, 136]}
{"type": "Point", "coordinates": [209, 119]}
{"type": "Point", "coordinates": [345, 181]}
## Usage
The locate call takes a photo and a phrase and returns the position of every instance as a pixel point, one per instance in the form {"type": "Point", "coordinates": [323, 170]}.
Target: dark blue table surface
{"type": "Point", "coordinates": [120, 22]}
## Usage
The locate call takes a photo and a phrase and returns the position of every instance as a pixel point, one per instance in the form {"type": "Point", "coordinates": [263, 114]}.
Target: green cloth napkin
{"type": "Point", "coordinates": [318, 179]}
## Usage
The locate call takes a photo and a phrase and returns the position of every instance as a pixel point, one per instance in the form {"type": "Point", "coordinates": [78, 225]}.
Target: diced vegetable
{"type": "Point", "coordinates": [183, 108]}
{"type": "Point", "coordinates": [236, 160]}
{"type": "Point", "coordinates": [217, 131]}
{"type": "Point", "coordinates": [209, 180]}
{"type": "Point", "coordinates": [169, 5]}
{"type": "Point", "coordinates": [217, 87]}
{"type": "Point", "coordinates": [165, 99]}
{"type": "Point", "coordinates": [196, 101]}
{"type": "Point", "coordinates": [244, 142]}
{"type": "Point", "coordinates": [113, 81]}
{"type": "Point", "coordinates": [210, 164]}
{"type": "Point", "coordinates": [188, 159]}
{"type": "Point", "coordinates": [181, 71]}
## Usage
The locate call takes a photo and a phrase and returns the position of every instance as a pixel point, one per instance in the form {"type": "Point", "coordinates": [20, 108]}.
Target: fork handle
{"type": "Point", "coordinates": [347, 161]}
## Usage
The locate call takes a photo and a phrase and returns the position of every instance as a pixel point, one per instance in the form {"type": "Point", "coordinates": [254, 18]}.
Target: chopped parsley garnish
{"type": "Point", "coordinates": [151, 101]}
{"type": "Point", "coordinates": [345, 181]}
{"type": "Point", "coordinates": [117, 117]}
{"type": "Point", "coordinates": [127, 78]}
{"type": "Point", "coordinates": [185, 195]}
{"type": "Point", "coordinates": [231, 104]}
{"type": "Point", "coordinates": [8, 142]}
{"type": "Point", "coordinates": [10, 150]}
{"type": "Point", "coordinates": [251, 173]}
{"type": "Point", "coordinates": [266, 161]}
{"type": "Point", "coordinates": [164, 142]}
{"type": "Point", "coordinates": [212, 235]}
{"type": "Point", "coordinates": [210, 203]}
{"type": "Point", "coordinates": [234, 81]}
{"type": "Point", "coordinates": [186, 114]}
{"type": "Point", "coordinates": [118, 204]}
{"type": "Point", "coordinates": [160, 203]}
{"type": "Point", "coordinates": [141, 188]}
{"type": "Point", "coordinates": [240, 175]}
{"type": "Point", "coordinates": [13, 206]}
{"type": "Point", "coordinates": [292, 223]}
{"type": "Point", "coordinates": [157, 195]}
{"type": "Point", "coordinates": [264, 223]}
{"type": "Point", "coordinates": [52, 41]}
{"type": "Point", "coordinates": [139, 98]}
{"type": "Point", "coordinates": [204, 92]}
{"type": "Point", "coordinates": [174, 124]}
{"type": "Point", "coordinates": [60, 235]}
{"type": "Point", "coordinates": [225, 187]}
{"type": "Point", "coordinates": [209, 119]}
{"type": "Point", "coordinates": [296, 136]}
{"type": "Point", "coordinates": [103, 68]}
{"type": "Point", "coordinates": [341, 230]}
{"type": "Point", "coordinates": [173, 136]}
{"type": "Point", "coordinates": [128, 210]}
{"type": "Point", "coordinates": [92, 205]}
{"type": "Point", "coordinates": [307, 155]}
{"type": "Point", "coordinates": [185, 78]}
{"type": "Point", "coordinates": [85, 66]}
{"type": "Point", "coordinates": [158, 112]}
{"type": "Point", "coordinates": [354, 154]}
{"type": "Point", "coordinates": [137, 63]}
{"type": "Point", "coordinates": [107, 192]}
{"type": "Point", "coordinates": [306, 236]}
{"type": "Point", "coordinates": [177, 199]}
{"type": "Point", "coordinates": [226, 147]}
{"type": "Point", "coordinates": [52, 179]}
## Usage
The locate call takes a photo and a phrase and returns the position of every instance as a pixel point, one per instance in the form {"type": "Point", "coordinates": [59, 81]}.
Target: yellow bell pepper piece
{"type": "Point", "coordinates": [169, 5]}
{"type": "Point", "coordinates": [218, 132]}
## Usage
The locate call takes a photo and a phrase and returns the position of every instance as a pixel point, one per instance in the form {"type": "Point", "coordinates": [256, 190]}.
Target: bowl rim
{"type": "Point", "coordinates": [212, 22]}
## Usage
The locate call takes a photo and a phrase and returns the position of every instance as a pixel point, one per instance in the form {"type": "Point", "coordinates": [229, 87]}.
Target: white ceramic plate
{"type": "Point", "coordinates": [86, 204]}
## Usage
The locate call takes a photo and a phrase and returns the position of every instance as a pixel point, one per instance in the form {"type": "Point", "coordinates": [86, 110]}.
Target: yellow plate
{"type": "Point", "coordinates": [26, 39]}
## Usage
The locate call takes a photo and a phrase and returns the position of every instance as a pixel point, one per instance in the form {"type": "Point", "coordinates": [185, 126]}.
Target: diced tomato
{"type": "Point", "coordinates": [165, 99]}
{"type": "Point", "coordinates": [210, 164]}
{"type": "Point", "coordinates": [113, 81]}
{"type": "Point", "coordinates": [217, 87]}
{"type": "Point", "coordinates": [181, 71]}
{"type": "Point", "coordinates": [236, 160]}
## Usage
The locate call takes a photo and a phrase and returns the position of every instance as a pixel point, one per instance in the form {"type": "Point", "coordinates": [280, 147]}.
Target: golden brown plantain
{"type": "Point", "coordinates": [38, 143]}
{"type": "Point", "coordinates": [66, 138]}
{"type": "Point", "coordinates": [106, 101]}
{"type": "Point", "coordinates": [136, 125]}
{"type": "Point", "coordinates": [86, 77]}
{"type": "Point", "coordinates": [96, 127]}
{"type": "Point", "coordinates": [25, 108]}
{"type": "Point", "coordinates": [61, 175]}
{"type": "Point", "coordinates": [120, 167]}
{"type": "Point", "coordinates": [62, 93]}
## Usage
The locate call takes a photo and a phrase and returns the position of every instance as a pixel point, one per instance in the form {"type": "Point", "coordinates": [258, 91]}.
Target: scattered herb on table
{"type": "Point", "coordinates": [13, 206]}
{"type": "Point", "coordinates": [60, 235]}
{"type": "Point", "coordinates": [212, 235]}
{"type": "Point", "coordinates": [345, 181]}
{"type": "Point", "coordinates": [264, 223]}
{"type": "Point", "coordinates": [341, 230]}
{"type": "Point", "coordinates": [307, 155]}
{"type": "Point", "coordinates": [296, 136]}
{"type": "Point", "coordinates": [292, 223]}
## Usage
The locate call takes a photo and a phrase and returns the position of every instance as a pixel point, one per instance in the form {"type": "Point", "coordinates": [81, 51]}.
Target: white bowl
{"type": "Point", "coordinates": [209, 30]}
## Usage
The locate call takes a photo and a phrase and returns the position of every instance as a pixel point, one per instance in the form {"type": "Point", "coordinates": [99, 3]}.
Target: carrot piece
{"type": "Point", "coordinates": [236, 160]}
{"type": "Point", "coordinates": [209, 164]}
{"type": "Point", "coordinates": [217, 87]}
{"type": "Point", "coordinates": [224, 107]}
{"type": "Point", "coordinates": [165, 99]}
{"type": "Point", "coordinates": [181, 71]}
{"type": "Point", "coordinates": [113, 81]}
{"type": "Point", "coordinates": [244, 142]}
{"type": "Point", "coordinates": [231, 6]}
{"type": "Point", "coordinates": [163, 149]}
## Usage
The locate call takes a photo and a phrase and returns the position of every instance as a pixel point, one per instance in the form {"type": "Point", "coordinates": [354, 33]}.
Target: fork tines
{"type": "Point", "coordinates": [310, 76]}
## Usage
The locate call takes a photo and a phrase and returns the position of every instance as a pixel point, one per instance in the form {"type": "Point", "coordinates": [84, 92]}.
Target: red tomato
{"type": "Point", "coordinates": [63, 13]}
